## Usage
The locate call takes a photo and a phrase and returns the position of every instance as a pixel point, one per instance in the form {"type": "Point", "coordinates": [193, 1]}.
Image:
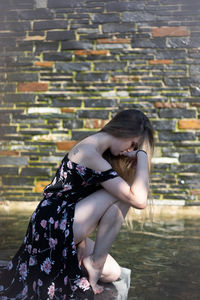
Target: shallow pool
{"type": "Point", "coordinates": [164, 257]}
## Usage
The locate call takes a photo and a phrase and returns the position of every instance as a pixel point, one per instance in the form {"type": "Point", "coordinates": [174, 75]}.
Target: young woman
{"type": "Point", "coordinates": [96, 184]}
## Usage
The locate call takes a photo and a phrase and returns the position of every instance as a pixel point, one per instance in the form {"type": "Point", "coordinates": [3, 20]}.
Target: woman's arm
{"type": "Point", "coordinates": [135, 194]}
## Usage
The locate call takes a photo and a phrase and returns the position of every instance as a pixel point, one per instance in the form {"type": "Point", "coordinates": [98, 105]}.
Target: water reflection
{"type": "Point", "coordinates": [164, 257]}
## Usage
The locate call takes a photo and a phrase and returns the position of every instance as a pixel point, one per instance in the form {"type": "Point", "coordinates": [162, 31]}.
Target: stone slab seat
{"type": "Point", "coordinates": [117, 290]}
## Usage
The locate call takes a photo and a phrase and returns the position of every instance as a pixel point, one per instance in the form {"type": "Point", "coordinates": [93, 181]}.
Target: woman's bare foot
{"type": "Point", "coordinates": [94, 274]}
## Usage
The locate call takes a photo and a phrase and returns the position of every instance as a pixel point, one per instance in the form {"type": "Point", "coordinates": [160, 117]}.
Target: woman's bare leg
{"type": "Point", "coordinates": [103, 209]}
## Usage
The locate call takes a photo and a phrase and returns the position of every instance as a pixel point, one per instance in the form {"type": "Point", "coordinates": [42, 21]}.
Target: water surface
{"type": "Point", "coordinates": [164, 257]}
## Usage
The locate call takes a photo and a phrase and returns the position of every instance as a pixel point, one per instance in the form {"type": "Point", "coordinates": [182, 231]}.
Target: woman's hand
{"type": "Point", "coordinates": [133, 155]}
{"type": "Point", "coordinates": [81, 251]}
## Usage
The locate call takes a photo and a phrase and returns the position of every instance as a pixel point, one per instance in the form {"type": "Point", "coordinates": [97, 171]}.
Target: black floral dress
{"type": "Point", "coordinates": [46, 265]}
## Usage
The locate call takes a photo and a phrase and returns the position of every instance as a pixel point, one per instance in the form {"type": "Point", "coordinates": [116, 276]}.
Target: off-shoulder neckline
{"type": "Point", "coordinates": [95, 171]}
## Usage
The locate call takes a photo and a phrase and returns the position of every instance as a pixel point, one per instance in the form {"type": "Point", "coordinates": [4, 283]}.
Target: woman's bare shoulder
{"type": "Point", "coordinates": [88, 156]}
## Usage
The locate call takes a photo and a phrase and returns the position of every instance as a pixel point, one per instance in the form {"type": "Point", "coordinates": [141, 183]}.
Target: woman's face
{"type": "Point", "coordinates": [121, 145]}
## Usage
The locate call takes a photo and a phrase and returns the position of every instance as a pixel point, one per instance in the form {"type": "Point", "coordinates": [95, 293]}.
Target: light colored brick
{"type": "Point", "coordinates": [47, 64]}
{"type": "Point", "coordinates": [95, 123]}
{"type": "Point", "coordinates": [189, 124]}
{"type": "Point", "coordinates": [169, 105]}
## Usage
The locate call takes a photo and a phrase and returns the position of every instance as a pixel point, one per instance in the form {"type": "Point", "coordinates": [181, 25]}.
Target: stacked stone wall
{"type": "Point", "coordinates": [66, 66]}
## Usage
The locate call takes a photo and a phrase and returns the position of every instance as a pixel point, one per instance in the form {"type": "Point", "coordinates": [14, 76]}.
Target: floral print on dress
{"type": "Point", "coordinates": [46, 265]}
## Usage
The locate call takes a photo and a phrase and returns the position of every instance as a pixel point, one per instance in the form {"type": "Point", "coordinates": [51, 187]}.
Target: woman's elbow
{"type": "Point", "coordinates": [139, 201]}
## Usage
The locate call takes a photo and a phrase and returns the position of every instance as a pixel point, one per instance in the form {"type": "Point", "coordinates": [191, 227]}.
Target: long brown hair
{"type": "Point", "coordinates": [129, 123]}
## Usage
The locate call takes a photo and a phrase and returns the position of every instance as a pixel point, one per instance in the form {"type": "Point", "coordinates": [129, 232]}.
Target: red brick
{"type": "Point", "coordinates": [40, 185]}
{"type": "Point", "coordinates": [114, 41]}
{"type": "Point", "coordinates": [47, 64]}
{"type": "Point", "coordinates": [9, 153]}
{"type": "Point", "coordinates": [169, 31]}
{"type": "Point", "coordinates": [32, 87]}
{"type": "Point", "coordinates": [169, 105]}
{"type": "Point", "coordinates": [68, 145]}
{"type": "Point", "coordinates": [160, 61]}
{"type": "Point", "coordinates": [195, 104]}
{"type": "Point", "coordinates": [189, 124]}
{"type": "Point", "coordinates": [95, 123]}
{"type": "Point", "coordinates": [91, 52]}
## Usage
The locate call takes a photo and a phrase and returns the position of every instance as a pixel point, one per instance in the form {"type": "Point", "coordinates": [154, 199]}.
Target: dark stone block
{"type": "Point", "coordinates": [43, 25]}
{"type": "Point", "coordinates": [15, 26]}
{"type": "Point", "coordinates": [92, 77]}
{"type": "Point", "coordinates": [94, 114]}
{"type": "Point", "coordinates": [176, 136]}
{"type": "Point", "coordinates": [13, 161]}
{"type": "Point", "coordinates": [66, 103]}
{"type": "Point", "coordinates": [76, 45]}
{"type": "Point", "coordinates": [148, 43]}
{"type": "Point", "coordinates": [18, 181]}
{"type": "Point", "coordinates": [50, 46]}
{"type": "Point", "coordinates": [186, 168]}
{"type": "Point", "coordinates": [22, 77]}
{"type": "Point", "coordinates": [181, 42]}
{"type": "Point", "coordinates": [113, 27]}
{"type": "Point", "coordinates": [189, 158]}
{"type": "Point", "coordinates": [101, 103]}
{"type": "Point", "coordinates": [4, 119]}
{"type": "Point", "coordinates": [124, 6]}
{"type": "Point", "coordinates": [177, 113]}
{"type": "Point", "coordinates": [58, 56]}
{"type": "Point", "coordinates": [7, 129]}
{"type": "Point", "coordinates": [37, 14]}
{"type": "Point", "coordinates": [12, 98]}
{"type": "Point", "coordinates": [110, 66]}
{"type": "Point", "coordinates": [171, 54]}
{"type": "Point", "coordinates": [164, 125]}
{"type": "Point", "coordinates": [73, 124]}
{"type": "Point", "coordinates": [60, 35]}
{"type": "Point", "coordinates": [71, 67]}
{"type": "Point", "coordinates": [105, 18]}
{"type": "Point", "coordinates": [35, 172]}
{"type": "Point", "coordinates": [137, 16]}
{"type": "Point", "coordinates": [8, 171]}
{"type": "Point", "coordinates": [65, 4]}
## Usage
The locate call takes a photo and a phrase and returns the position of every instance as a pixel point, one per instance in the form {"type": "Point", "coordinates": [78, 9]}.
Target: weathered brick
{"type": "Point", "coordinates": [9, 153]}
{"type": "Point", "coordinates": [189, 124]}
{"type": "Point", "coordinates": [169, 105]}
{"type": "Point", "coordinates": [95, 123]}
{"type": "Point", "coordinates": [91, 52]}
{"type": "Point", "coordinates": [22, 98]}
{"type": "Point", "coordinates": [190, 158]}
{"type": "Point", "coordinates": [137, 16]}
{"type": "Point", "coordinates": [7, 129]}
{"type": "Point", "coordinates": [15, 26]}
{"type": "Point", "coordinates": [107, 66]}
{"type": "Point", "coordinates": [32, 87]}
{"type": "Point", "coordinates": [60, 35]}
{"type": "Point", "coordinates": [101, 103]}
{"type": "Point", "coordinates": [124, 6]}
{"type": "Point", "coordinates": [148, 43]}
{"type": "Point", "coordinates": [65, 4]}
{"type": "Point", "coordinates": [72, 124]}
{"type": "Point", "coordinates": [79, 135]}
{"type": "Point", "coordinates": [170, 31]}
{"type": "Point", "coordinates": [160, 61]}
{"type": "Point", "coordinates": [178, 42]}
{"type": "Point", "coordinates": [164, 125]}
{"type": "Point", "coordinates": [43, 25]}
{"type": "Point", "coordinates": [17, 181]}
{"type": "Point", "coordinates": [66, 145]}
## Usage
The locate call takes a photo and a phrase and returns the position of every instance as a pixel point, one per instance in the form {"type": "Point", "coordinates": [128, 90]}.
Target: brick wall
{"type": "Point", "coordinates": [67, 65]}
